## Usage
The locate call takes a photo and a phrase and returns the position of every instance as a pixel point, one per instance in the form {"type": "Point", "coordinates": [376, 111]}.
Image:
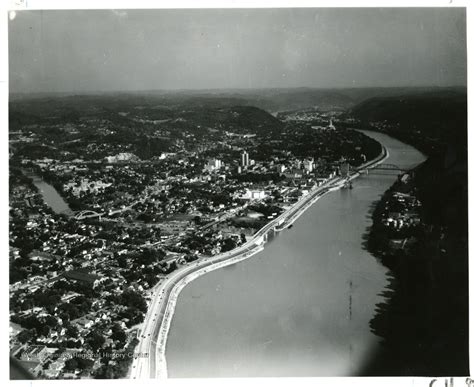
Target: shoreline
{"type": "Point", "coordinates": [196, 270]}
{"type": "Point", "coordinates": [416, 293]}
{"type": "Point", "coordinates": [162, 369]}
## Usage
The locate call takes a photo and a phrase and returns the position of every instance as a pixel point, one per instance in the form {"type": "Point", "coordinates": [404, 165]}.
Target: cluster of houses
{"type": "Point", "coordinates": [407, 214]}
{"type": "Point", "coordinates": [85, 185]}
{"type": "Point", "coordinates": [43, 361]}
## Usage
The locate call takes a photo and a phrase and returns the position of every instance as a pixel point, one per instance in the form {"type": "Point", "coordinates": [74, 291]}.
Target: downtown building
{"type": "Point", "coordinates": [244, 159]}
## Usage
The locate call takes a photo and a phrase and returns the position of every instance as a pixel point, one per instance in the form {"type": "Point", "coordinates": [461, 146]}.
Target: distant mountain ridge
{"type": "Point", "coordinates": [272, 100]}
{"type": "Point", "coordinates": [441, 113]}
{"type": "Point", "coordinates": [144, 113]}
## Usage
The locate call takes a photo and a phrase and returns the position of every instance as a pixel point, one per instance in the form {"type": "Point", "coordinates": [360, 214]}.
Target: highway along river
{"type": "Point", "coordinates": [302, 306]}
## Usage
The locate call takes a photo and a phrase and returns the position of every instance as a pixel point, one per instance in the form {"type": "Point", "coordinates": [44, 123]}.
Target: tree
{"type": "Point", "coordinates": [95, 340]}
{"type": "Point", "coordinates": [25, 336]}
{"type": "Point", "coordinates": [276, 194]}
{"type": "Point", "coordinates": [228, 244]}
{"type": "Point", "coordinates": [72, 331]}
{"type": "Point", "coordinates": [81, 363]}
{"type": "Point", "coordinates": [71, 364]}
{"type": "Point", "coordinates": [118, 334]}
{"type": "Point", "coordinates": [147, 256]}
{"type": "Point", "coordinates": [132, 298]}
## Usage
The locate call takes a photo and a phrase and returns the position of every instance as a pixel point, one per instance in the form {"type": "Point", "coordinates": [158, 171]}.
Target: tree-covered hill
{"type": "Point", "coordinates": [438, 114]}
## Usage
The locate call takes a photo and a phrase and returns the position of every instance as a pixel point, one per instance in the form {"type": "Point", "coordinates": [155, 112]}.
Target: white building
{"type": "Point", "coordinates": [253, 194]}
{"type": "Point", "coordinates": [281, 168]}
{"type": "Point", "coordinates": [122, 157]}
{"type": "Point", "coordinates": [244, 159]}
{"type": "Point", "coordinates": [308, 164]}
{"type": "Point", "coordinates": [213, 164]}
{"type": "Point", "coordinates": [86, 186]}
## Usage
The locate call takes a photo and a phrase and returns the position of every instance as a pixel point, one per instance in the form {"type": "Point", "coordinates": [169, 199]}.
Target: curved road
{"type": "Point", "coordinates": [150, 359]}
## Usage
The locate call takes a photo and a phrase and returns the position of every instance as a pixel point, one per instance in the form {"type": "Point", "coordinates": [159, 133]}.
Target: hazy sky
{"type": "Point", "coordinates": [107, 50]}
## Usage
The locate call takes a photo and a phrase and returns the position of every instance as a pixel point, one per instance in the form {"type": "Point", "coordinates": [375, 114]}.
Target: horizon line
{"type": "Point", "coordinates": [230, 89]}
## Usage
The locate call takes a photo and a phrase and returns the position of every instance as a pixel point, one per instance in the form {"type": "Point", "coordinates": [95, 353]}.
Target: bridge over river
{"type": "Point", "coordinates": [300, 307]}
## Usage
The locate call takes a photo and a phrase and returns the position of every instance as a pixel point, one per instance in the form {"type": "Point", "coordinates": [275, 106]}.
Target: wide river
{"type": "Point", "coordinates": [302, 306]}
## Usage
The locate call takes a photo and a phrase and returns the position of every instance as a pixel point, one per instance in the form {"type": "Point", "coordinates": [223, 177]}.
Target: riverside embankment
{"type": "Point", "coordinates": [158, 320]}
{"type": "Point", "coordinates": [300, 307]}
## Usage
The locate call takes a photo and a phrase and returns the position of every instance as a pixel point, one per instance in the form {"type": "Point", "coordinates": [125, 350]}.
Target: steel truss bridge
{"type": "Point", "coordinates": [383, 167]}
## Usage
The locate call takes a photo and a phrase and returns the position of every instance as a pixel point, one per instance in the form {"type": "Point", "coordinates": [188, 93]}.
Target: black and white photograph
{"type": "Point", "coordinates": [238, 193]}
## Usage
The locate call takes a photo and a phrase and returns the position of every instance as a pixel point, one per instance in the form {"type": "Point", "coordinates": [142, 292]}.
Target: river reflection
{"type": "Point", "coordinates": [302, 306]}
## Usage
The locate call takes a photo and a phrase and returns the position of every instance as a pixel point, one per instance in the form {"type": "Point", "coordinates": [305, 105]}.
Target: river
{"type": "Point", "coordinates": [302, 306]}
{"type": "Point", "coordinates": [50, 196]}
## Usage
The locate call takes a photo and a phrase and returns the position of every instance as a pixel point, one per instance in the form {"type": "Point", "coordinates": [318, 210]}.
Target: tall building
{"type": "Point", "coordinates": [216, 163]}
{"type": "Point", "coordinates": [244, 159]}
{"type": "Point", "coordinates": [308, 164]}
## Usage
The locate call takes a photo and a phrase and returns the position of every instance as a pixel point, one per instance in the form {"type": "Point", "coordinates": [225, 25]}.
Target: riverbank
{"type": "Point", "coordinates": [338, 184]}
{"type": "Point", "coordinates": [424, 321]}
{"type": "Point", "coordinates": [162, 371]}
{"type": "Point", "coordinates": [50, 195]}
{"type": "Point", "coordinates": [168, 292]}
